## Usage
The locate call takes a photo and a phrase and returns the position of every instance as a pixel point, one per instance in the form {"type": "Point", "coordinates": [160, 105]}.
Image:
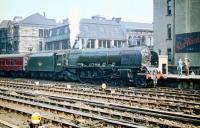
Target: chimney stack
{"type": "Point", "coordinates": [44, 14]}
{"type": "Point", "coordinates": [117, 19]}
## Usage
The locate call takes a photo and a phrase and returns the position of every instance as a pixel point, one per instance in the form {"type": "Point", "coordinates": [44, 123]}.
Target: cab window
{"type": "Point", "coordinates": [59, 60]}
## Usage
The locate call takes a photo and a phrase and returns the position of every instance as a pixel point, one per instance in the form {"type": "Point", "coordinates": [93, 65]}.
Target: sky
{"type": "Point", "coordinates": [128, 10]}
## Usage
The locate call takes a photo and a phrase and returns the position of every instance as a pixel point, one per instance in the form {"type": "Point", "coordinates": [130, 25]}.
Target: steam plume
{"type": "Point", "coordinates": [74, 18]}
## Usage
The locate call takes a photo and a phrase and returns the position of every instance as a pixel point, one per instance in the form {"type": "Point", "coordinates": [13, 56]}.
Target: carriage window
{"type": "Point", "coordinates": [7, 62]}
{"type": "Point", "coordinates": [2, 62]}
{"type": "Point", "coordinates": [19, 62]}
{"type": "Point", "coordinates": [12, 62]}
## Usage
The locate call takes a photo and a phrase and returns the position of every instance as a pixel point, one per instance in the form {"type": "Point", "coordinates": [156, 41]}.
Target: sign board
{"type": "Point", "coordinates": [187, 42]}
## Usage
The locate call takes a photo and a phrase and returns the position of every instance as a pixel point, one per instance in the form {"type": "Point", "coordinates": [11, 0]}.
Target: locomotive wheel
{"type": "Point", "coordinates": [122, 83]}
{"type": "Point", "coordinates": [95, 78]}
{"type": "Point", "coordinates": [13, 74]}
{"type": "Point", "coordinates": [109, 81]}
{"type": "Point", "coordinates": [96, 81]}
{"type": "Point", "coordinates": [81, 77]}
{"type": "Point", "coordinates": [140, 83]}
{"type": "Point", "coordinates": [54, 76]}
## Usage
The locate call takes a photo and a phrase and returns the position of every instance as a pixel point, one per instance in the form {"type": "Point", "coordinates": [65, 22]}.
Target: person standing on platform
{"type": "Point", "coordinates": [180, 66]}
{"type": "Point", "coordinates": [186, 65]}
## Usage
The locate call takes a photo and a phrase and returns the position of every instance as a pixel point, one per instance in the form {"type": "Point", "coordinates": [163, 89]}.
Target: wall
{"type": "Point", "coordinates": [28, 39]}
{"type": "Point", "coordinates": [161, 19]}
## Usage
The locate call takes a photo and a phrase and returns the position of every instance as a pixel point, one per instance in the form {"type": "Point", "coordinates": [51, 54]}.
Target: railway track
{"type": "Point", "coordinates": [4, 124]}
{"type": "Point", "coordinates": [62, 113]}
{"type": "Point", "coordinates": [188, 94]}
{"type": "Point", "coordinates": [164, 103]}
{"type": "Point", "coordinates": [125, 113]}
{"type": "Point", "coordinates": [120, 116]}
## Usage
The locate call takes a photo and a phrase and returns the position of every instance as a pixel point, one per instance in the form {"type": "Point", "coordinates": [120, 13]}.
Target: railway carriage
{"type": "Point", "coordinates": [13, 64]}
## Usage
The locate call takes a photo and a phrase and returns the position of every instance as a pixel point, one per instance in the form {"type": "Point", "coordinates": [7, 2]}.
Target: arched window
{"type": "Point", "coordinates": [130, 40]}
{"type": "Point", "coordinates": [143, 40]}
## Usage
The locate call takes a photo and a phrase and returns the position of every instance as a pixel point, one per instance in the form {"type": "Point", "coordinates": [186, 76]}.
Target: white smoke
{"type": "Point", "coordinates": [74, 18]}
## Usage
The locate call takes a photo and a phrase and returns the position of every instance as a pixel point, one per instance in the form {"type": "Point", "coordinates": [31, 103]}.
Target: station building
{"type": "Point", "coordinates": [38, 33]}
{"type": "Point", "coordinates": [24, 35]}
{"type": "Point", "coordinates": [177, 30]}
{"type": "Point", "coordinates": [30, 32]}
{"type": "Point", "coordinates": [6, 36]}
{"type": "Point", "coordinates": [57, 38]}
{"type": "Point", "coordinates": [138, 33]}
{"type": "Point", "coordinates": [99, 32]}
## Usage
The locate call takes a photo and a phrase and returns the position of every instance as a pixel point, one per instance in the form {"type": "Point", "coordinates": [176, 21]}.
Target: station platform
{"type": "Point", "coordinates": [182, 81]}
{"type": "Point", "coordinates": [176, 76]}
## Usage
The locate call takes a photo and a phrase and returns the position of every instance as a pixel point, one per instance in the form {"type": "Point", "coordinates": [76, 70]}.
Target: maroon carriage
{"type": "Point", "coordinates": [12, 64]}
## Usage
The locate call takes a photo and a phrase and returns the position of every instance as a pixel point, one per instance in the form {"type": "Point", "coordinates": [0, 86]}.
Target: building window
{"type": "Point", "coordinates": [100, 44]}
{"type": "Point", "coordinates": [66, 30]}
{"type": "Point", "coordinates": [104, 44]}
{"type": "Point", "coordinates": [88, 44]}
{"type": "Point", "coordinates": [108, 44]}
{"type": "Point", "coordinates": [56, 46]}
{"type": "Point", "coordinates": [169, 31]}
{"type": "Point", "coordinates": [48, 46]}
{"type": "Point", "coordinates": [64, 44]}
{"type": "Point", "coordinates": [16, 31]}
{"type": "Point", "coordinates": [58, 31]}
{"type": "Point", "coordinates": [40, 45]}
{"type": "Point", "coordinates": [169, 53]}
{"type": "Point", "coordinates": [130, 41]}
{"type": "Point", "coordinates": [91, 43]}
{"type": "Point", "coordinates": [118, 43]}
{"type": "Point", "coordinates": [46, 33]}
{"type": "Point", "coordinates": [169, 7]}
{"type": "Point", "coordinates": [15, 46]}
{"type": "Point", "coordinates": [41, 33]}
{"type": "Point", "coordinates": [139, 40]}
{"type": "Point", "coordinates": [143, 40]}
{"type": "Point", "coordinates": [50, 33]}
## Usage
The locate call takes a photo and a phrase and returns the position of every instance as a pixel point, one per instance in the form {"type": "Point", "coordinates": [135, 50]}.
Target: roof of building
{"type": "Point", "coordinates": [38, 19]}
{"type": "Point", "coordinates": [137, 26]}
{"type": "Point", "coordinates": [101, 29]}
{"type": "Point", "coordinates": [4, 23]}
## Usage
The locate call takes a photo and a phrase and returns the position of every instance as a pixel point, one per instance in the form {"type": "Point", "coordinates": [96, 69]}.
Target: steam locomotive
{"type": "Point", "coordinates": [115, 66]}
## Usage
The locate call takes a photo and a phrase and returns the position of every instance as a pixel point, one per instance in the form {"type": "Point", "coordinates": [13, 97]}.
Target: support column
{"type": "Point", "coordinates": [96, 43]}
{"type": "Point", "coordinates": [112, 44]}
